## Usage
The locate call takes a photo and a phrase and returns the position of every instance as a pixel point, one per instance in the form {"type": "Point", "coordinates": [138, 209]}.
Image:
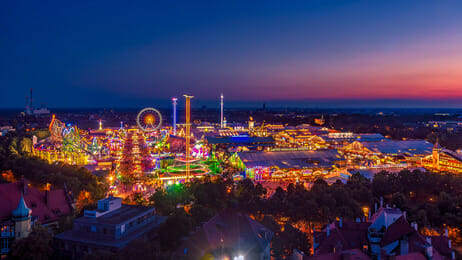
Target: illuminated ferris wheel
{"type": "Point", "coordinates": [149, 119]}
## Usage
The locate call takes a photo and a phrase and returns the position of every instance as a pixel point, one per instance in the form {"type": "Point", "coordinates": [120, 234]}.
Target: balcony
{"type": "Point", "coordinates": [6, 234]}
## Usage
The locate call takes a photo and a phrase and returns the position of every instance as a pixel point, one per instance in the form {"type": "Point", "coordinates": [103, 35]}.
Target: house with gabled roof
{"type": "Point", "coordinates": [386, 235]}
{"type": "Point", "coordinates": [228, 235]}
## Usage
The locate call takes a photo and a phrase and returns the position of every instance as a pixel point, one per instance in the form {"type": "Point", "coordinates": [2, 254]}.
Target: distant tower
{"type": "Point", "coordinates": [251, 123]}
{"type": "Point", "coordinates": [29, 108]}
{"type": "Point", "coordinates": [100, 125]}
{"type": "Point", "coordinates": [436, 155]}
{"type": "Point", "coordinates": [188, 135]}
{"type": "Point", "coordinates": [174, 114]}
{"type": "Point", "coordinates": [221, 117]}
{"type": "Point", "coordinates": [21, 218]}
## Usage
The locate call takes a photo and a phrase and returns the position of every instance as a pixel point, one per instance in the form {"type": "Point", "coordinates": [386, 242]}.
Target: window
{"type": "Point", "coordinates": [4, 244]}
{"type": "Point", "coordinates": [365, 248]}
{"type": "Point", "coordinates": [93, 228]}
{"type": "Point", "coordinates": [122, 229]}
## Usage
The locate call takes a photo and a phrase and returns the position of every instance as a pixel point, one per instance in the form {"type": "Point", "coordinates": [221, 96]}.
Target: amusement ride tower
{"type": "Point", "coordinates": [221, 117]}
{"type": "Point", "coordinates": [174, 114]}
{"type": "Point", "coordinates": [188, 135]}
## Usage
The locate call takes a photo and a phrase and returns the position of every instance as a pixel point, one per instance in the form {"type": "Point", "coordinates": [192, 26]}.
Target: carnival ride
{"type": "Point", "coordinates": [70, 140]}
{"type": "Point", "coordinates": [72, 145]}
{"type": "Point", "coordinates": [141, 158]}
{"type": "Point", "coordinates": [149, 119]}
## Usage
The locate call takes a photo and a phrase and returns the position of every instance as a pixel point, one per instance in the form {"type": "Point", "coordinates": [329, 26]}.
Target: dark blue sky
{"type": "Point", "coordinates": [136, 53]}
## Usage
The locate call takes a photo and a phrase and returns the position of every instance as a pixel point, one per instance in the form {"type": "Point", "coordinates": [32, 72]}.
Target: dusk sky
{"type": "Point", "coordinates": [136, 53]}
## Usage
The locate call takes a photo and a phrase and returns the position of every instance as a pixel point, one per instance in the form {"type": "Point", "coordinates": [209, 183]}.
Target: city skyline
{"type": "Point", "coordinates": [326, 54]}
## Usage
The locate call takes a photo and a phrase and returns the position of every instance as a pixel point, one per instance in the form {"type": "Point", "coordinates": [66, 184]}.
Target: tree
{"type": "Point", "coordinates": [173, 229]}
{"type": "Point", "coordinates": [249, 197]}
{"type": "Point", "coordinates": [25, 146]}
{"type": "Point", "coordinates": [36, 246]}
{"type": "Point", "coordinates": [399, 200]}
{"type": "Point", "coordinates": [201, 213]}
{"type": "Point", "coordinates": [7, 176]}
{"type": "Point", "coordinates": [138, 199]}
{"type": "Point", "coordinates": [284, 242]}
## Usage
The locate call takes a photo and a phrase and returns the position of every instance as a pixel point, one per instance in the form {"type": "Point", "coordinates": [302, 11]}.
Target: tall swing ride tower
{"type": "Point", "coordinates": [221, 116]}
{"type": "Point", "coordinates": [188, 136]}
{"type": "Point", "coordinates": [174, 100]}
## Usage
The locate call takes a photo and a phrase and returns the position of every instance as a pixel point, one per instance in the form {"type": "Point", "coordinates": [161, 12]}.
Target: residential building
{"type": "Point", "coordinates": [386, 235]}
{"type": "Point", "coordinates": [110, 227]}
{"type": "Point", "coordinates": [21, 205]}
{"type": "Point", "coordinates": [228, 235]}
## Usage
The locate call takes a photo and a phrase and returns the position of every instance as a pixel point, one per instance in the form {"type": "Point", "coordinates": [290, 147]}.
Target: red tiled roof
{"type": "Point", "coordinates": [441, 244]}
{"type": "Point", "coordinates": [354, 254]}
{"type": "Point", "coordinates": [411, 256]}
{"type": "Point", "coordinates": [417, 243]}
{"type": "Point", "coordinates": [10, 195]}
{"type": "Point", "coordinates": [352, 235]}
{"type": "Point", "coordinates": [57, 202]}
{"type": "Point", "coordinates": [397, 230]}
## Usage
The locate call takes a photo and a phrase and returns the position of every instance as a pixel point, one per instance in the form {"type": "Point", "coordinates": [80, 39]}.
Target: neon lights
{"type": "Point", "coordinates": [149, 119]}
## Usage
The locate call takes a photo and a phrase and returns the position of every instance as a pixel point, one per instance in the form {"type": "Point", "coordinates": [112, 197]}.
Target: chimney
{"type": "Point", "coordinates": [46, 197]}
{"type": "Point", "coordinates": [369, 217]}
{"type": "Point", "coordinates": [375, 207]}
{"type": "Point", "coordinates": [340, 222]}
{"type": "Point", "coordinates": [453, 255]}
{"type": "Point", "coordinates": [446, 232]}
{"type": "Point", "coordinates": [416, 227]}
{"type": "Point", "coordinates": [404, 214]}
{"type": "Point", "coordinates": [429, 248]}
{"type": "Point", "coordinates": [404, 245]}
{"type": "Point", "coordinates": [449, 243]}
{"type": "Point", "coordinates": [328, 229]}
{"type": "Point", "coordinates": [381, 202]}
{"type": "Point", "coordinates": [24, 185]}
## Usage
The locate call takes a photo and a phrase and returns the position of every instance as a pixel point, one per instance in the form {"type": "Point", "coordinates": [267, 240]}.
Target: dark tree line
{"type": "Point", "coordinates": [430, 199]}
{"type": "Point", "coordinates": [15, 157]}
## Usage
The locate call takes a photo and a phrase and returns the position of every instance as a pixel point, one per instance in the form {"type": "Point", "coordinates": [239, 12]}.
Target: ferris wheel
{"type": "Point", "coordinates": [149, 119]}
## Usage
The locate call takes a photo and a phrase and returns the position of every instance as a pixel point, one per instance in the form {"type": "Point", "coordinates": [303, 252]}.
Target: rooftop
{"type": "Point", "coordinates": [228, 229]}
{"type": "Point", "coordinates": [46, 206]}
{"type": "Point", "coordinates": [291, 159]}
{"type": "Point", "coordinates": [88, 238]}
{"type": "Point", "coordinates": [118, 216]}
{"type": "Point", "coordinates": [412, 147]}
{"type": "Point", "coordinates": [240, 139]}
